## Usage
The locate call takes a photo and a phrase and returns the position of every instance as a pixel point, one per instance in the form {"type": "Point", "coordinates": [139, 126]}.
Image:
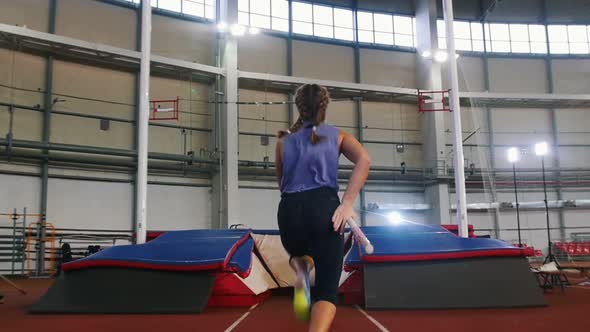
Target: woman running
{"type": "Point", "coordinates": [311, 217]}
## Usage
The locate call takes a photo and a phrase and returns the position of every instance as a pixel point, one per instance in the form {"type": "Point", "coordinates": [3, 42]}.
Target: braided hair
{"type": "Point", "coordinates": [312, 101]}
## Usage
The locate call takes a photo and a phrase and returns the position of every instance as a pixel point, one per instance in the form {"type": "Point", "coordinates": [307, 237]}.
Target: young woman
{"type": "Point", "coordinates": [311, 217]}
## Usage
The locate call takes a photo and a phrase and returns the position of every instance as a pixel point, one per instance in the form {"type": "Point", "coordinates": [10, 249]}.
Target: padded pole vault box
{"type": "Point", "coordinates": [416, 266]}
{"type": "Point", "coordinates": [485, 282]}
{"type": "Point", "coordinates": [127, 291]}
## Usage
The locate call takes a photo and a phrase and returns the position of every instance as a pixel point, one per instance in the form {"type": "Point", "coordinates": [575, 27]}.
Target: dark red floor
{"type": "Point", "coordinates": [567, 312]}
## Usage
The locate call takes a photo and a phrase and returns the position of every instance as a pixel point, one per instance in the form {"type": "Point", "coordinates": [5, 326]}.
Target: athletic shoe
{"type": "Point", "coordinates": [302, 297]}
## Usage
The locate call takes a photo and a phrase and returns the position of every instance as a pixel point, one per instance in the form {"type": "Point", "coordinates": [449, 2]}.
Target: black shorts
{"type": "Point", "coordinates": [305, 224]}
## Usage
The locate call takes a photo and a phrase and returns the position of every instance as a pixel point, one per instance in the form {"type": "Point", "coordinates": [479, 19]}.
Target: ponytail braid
{"type": "Point", "coordinates": [312, 101]}
{"type": "Point", "coordinates": [296, 126]}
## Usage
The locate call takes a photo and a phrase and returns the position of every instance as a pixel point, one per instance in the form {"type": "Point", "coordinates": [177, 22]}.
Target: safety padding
{"type": "Point", "coordinates": [117, 290]}
{"type": "Point", "coordinates": [192, 250]}
{"type": "Point", "coordinates": [416, 242]}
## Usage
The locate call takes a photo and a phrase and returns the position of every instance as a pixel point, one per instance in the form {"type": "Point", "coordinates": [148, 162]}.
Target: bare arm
{"type": "Point", "coordinates": [279, 161]}
{"type": "Point", "coordinates": [353, 151]}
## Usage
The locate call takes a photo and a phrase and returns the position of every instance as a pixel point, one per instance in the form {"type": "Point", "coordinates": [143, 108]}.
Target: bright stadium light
{"type": "Point", "coordinates": [238, 30]}
{"type": "Point", "coordinates": [394, 218]}
{"type": "Point", "coordinates": [441, 56]}
{"type": "Point", "coordinates": [513, 155]}
{"type": "Point", "coordinates": [541, 148]}
{"type": "Point", "coordinates": [221, 26]}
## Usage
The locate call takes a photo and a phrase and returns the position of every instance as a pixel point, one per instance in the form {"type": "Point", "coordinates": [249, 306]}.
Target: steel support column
{"type": "Point", "coordinates": [490, 123]}
{"type": "Point", "coordinates": [428, 77]}
{"type": "Point", "coordinates": [217, 179]}
{"type": "Point", "coordinates": [291, 110]}
{"type": "Point", "coordinates": [554, 124]}
{"type": "Point", "coordinates": [143, 124]}
{"type": "Point", "coordinates": [136, 115]}
{"type": "Point", "coordinates": [358, 103]}
{"type": "Point", "coordinates": [229, 119]}
{"type": "Point", "coordinates": [46, 138]}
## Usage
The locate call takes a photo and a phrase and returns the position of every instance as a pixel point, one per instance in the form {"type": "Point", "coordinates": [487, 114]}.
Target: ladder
{"type": "Point", "coordinates": [18, 242]}
{"type": "Point", "coordinates": [13, 243]}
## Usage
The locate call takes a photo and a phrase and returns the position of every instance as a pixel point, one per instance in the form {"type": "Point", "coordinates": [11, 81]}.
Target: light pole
{"type": "Point", "coordinates": [541, 150]}
{"type": "Point", "coordinates": [513, 157]}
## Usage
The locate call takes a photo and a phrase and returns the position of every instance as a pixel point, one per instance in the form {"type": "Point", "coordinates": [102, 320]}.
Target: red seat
{"type": "Point", "coordinates": [571, 249]}
{"type": "Point", "coordinates": [561, 246]}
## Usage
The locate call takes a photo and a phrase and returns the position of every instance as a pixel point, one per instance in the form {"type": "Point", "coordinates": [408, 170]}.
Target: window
{"type": "Point", "coordinates": [519, 38]}
{"type": "Point", "coordinates": [462, 32]}
{"type": "Point", "coordinates": [264, 14]}
{"type": "Point", "coordinates": [538, 37]}
{"type": "Point", "coordinates": [403, 27]}
{"type": "Point", "coordinates": [578, 39]}
{"type": "Point", "coordinates": [385, 29]}
{"type": "Point", "coordinates": [323, 18]}
{"type": "Point", "coordinates": [569, 39]}
{"type": "Point", "coordinates": [365, 27]}
{"type": "Point", "coordinates": [477, 36]}
{"type": "Point", "coordinates": [558, 39]}
{"type": "Point", "coordinates": [343, 24]}
{"type": "Point", "coordinates": [302, 18]}
{"type": "Point", "coordinates": [199, 8]}
{"type": "Point", "coordinates": [172, 5]}
{"type": "Point", "coordinates": [322, 21]}
{"type": "Point", "coordinates": [468, 35]}
{"type": "Point", "coordinates": [280, 15]}
{"type": "Point", "coordinates": [332, 22]}
{"type": "Point", "coordinates": [499, 37]}
{"type": "Point", "coordinates": [515, 38]}
{"type": "Point", "coordinates": [442, 34]}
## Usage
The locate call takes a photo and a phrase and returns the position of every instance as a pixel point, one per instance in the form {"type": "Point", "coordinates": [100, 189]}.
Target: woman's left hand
{"type": "Point", "coordinates": [341, 215]}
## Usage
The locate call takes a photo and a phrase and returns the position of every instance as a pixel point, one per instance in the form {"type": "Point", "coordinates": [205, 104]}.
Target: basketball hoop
{"type": "Point", "coordinates": [433, 101]}
{"type": "Point", "coordinates": [164, 109]}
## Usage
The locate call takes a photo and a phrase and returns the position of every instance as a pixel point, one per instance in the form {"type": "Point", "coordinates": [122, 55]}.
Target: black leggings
{"type": "Point", "coordinates": [305, 224]}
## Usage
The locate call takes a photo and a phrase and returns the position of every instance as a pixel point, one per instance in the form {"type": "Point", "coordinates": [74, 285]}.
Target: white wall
{"type": "Point", "coordinates": [19, 192]}
{"type": "Point", "coordinates": [90, 204]}
{"type": "Point", "coordinates": [258, 208]}
{"type": "Point", "coordinates": [176, 207]}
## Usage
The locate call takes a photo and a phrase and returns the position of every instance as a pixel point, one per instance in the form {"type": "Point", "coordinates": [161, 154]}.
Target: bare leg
{"type": "Point", "coordinates": [322, 315]}
{"type": "Point", "coordinates": [301, 263]}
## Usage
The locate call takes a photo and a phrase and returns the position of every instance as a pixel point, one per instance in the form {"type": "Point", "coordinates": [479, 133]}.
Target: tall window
{"type": "Point", "coordinates": [264, 14]}
{"type": "Point", "coordinates": [516, 38]}
{"type": "Point", "coordinates": [569, 39]}
{"type": "Point", "coordinates": [326, 21]}
{"type": "Point", "coordinates": [322, 21]}
{"type": "Point", "coordinates": [468, 35]}
{"type": "Point", "coordinates": [303, 18]}
{"type": "Point", "coordinates": [385, 29]}
{"type": "Point", "coordinates": [343, 24]}
{"type": "Point", "coordinates": [199, 8]}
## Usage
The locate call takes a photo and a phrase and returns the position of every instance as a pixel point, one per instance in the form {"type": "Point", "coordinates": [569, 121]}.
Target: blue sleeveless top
{"type": "Point", "coordinates": [307, 166]}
